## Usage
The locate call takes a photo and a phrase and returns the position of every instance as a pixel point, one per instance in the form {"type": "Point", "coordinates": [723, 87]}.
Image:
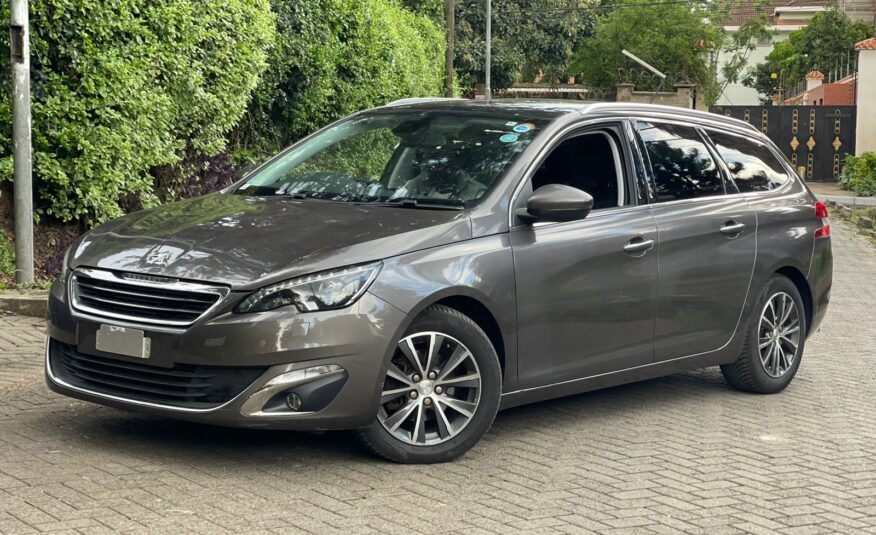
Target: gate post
{"type": "Point", "coordinates": [865, 131]}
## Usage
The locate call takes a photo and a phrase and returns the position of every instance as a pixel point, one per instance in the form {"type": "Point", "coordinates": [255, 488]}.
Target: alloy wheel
{"type": "Point", "coordinates": [431, 391]}
{"type": "Point", "coordinates": [779, 334]}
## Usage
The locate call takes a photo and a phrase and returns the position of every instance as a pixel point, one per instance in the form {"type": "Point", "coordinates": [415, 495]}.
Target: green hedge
{"type": "Point", "coordinates": [129, 95]}
{"type": "Point", "coordinates": [335, 57]}
{"type": "Point", "coordinates": [859, 174]}
{"type": "Point", "coordinates": [122, 87]}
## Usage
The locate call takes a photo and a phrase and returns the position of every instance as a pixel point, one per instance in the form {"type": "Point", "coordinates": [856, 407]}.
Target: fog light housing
{"type": "Point", "coordinates": [293, 401]}
{"type": "Point", "coordinates": [301, 391]}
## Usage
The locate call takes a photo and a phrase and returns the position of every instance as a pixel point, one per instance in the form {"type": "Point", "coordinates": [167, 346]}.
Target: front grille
{"type": "Point", "coordinates": [173, 303]}
{"type": "Point", "coordinates": [184, 385]}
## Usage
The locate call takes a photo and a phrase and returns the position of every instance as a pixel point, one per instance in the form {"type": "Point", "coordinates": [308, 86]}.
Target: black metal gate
{"type": "Point", "coordinates": [815, 138]}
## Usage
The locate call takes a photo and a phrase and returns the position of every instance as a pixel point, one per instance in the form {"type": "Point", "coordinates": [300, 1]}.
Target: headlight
{"type": "Point", "coordinates": [323, 291]}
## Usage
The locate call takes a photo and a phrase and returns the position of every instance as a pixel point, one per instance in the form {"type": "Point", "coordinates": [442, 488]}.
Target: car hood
{"type": "Point", "coordinates": [246, 242]}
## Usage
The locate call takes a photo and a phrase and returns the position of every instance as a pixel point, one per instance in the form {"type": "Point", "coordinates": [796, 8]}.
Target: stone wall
{"type": "Point", "coordinates": [682, 97]}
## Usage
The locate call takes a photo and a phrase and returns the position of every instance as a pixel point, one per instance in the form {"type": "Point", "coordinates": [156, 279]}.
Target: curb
{"type": "Point", "coordinates": [847, 200]}
{"type": "Point", "coordinates": [32, 303]}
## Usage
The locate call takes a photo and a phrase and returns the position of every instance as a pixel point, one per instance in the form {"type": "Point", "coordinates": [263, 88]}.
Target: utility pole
{"type": "Point", "coordinates": [488, 56]}
{"type": "Point", "coordinates": [19, 52]}
{"type": "Point", "coordinates": [450, 19]}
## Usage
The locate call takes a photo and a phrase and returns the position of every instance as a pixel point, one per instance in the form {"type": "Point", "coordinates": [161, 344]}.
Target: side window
{"type": "Point", "coordinates": [590, 162]}
{"type": "Point", "coordinates": [752, 165]}
{"type": "Point", "coordinates": [683, 168]}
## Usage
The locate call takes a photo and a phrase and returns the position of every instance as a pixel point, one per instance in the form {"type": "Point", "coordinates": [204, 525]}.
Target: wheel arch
{"type": "Point", "coordinates": [480, 314]}
{"type": "Point", "coordinates": [799, 280]}
{"type": "Point", "coordinates": [473, 305]}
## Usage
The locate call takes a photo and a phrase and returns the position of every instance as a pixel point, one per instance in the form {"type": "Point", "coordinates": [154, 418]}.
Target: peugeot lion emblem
{"type": "Point", "coordinates": [160, 256]}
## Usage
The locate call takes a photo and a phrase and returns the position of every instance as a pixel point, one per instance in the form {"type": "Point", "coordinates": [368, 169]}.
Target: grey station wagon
{"type": "Point", "coordinates": [412, 269]}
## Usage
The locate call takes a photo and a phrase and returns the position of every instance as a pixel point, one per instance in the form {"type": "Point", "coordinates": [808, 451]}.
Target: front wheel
{"type": "Point", "coordinates": [440, 393]}
{"type": "Point", "coordinates": [775, 339]}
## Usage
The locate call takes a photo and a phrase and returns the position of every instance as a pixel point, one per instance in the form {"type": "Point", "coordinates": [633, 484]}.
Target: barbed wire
{"type": "Point", "coordinates": [644, 80]}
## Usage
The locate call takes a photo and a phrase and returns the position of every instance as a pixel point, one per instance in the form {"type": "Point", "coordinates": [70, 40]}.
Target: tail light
{"type": "Point", "coordinates": [821, 213]}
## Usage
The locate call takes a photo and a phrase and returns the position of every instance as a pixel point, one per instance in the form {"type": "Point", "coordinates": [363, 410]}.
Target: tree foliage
{"type": "Point", "coordinates": [529, 37]}
{"type": "Point", "coordinates": [122, 87]}
{"type": "Point", "coordinates": [827, 42]}
{"type": "Point", "coordinates": [434, 9]}
{"type": "Point", "coordinates": [676, 38]}
{"type": "Point", "coordinates": [335, 57]}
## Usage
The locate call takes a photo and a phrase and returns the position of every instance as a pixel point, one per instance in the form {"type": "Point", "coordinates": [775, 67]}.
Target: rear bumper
{"type": "Point", "coordinates": [820, 280]}
{"type": "Point", "coordinates": [350, 345]}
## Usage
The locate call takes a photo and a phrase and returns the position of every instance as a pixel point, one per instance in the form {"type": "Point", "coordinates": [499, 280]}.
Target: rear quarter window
{"type": "Point", "coordinates": [753, 166]}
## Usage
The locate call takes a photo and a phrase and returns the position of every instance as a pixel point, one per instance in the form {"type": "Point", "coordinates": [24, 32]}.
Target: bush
{"type": "Point", "coordinates": [120, 88]}
{"type": "Point", "coordinates": [335, 57]}
{"type": "Point", "coordinates": [7, 261]}
{"type": "Point", "coordinates": [859, 174]}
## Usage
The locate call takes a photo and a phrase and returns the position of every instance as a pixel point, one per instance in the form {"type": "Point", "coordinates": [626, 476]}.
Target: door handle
{"type": "Point", "coordinates": [638, 246]}
{"type": "Point", "coordinates": [732, 228]}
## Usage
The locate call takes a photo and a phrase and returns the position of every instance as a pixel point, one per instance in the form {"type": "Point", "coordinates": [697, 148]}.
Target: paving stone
{"type": "Point", "coordinates": [682, 454]}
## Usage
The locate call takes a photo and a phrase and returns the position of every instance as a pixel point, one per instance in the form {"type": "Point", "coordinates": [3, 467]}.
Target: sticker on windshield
{"type": "Point", "coordinates": [523, 128]}
{"type": "Point", "coordinates": [508, 138]}
{"type": "Point", "coordinates": [510, 123]}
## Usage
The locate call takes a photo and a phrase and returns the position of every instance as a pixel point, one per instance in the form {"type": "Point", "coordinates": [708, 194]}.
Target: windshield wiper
{"type": "Point", "coordinates": [416, 203]}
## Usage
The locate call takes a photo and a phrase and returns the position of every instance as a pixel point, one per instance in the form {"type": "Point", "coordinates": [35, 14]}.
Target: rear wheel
{"type": "Point", "coordinates": [774, 344]}
{"type": "Point", "coordinates": [440, 393]}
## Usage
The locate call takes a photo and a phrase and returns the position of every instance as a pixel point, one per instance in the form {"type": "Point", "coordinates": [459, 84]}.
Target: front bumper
{"type": "Point", "coordinates": [354, 343]}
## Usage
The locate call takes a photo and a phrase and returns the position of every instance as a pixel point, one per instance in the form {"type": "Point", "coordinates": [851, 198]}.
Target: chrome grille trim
{"type": "Point", "coordinates": [105, 295]}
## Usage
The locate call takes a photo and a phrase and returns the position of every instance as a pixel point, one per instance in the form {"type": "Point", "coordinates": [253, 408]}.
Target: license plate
{"type": "Point", "coordinates": [122, 341]}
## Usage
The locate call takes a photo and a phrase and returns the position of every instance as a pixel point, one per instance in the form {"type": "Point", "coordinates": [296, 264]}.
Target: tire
{"type": "Point", "coordinates": [420, 423]}
{"type": "Point", "coordinates": [760, 367]}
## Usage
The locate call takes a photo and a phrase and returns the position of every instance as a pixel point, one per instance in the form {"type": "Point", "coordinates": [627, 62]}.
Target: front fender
{"type": "Point", "coordinates": [481, 269]}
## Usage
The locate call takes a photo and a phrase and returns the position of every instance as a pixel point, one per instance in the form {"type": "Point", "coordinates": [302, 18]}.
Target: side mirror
{"type": "Point", "coordinates": [556, 202]}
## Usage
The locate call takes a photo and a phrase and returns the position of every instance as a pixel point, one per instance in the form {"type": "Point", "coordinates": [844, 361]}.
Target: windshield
{"type": "Point", "coordinates": [416, 157]}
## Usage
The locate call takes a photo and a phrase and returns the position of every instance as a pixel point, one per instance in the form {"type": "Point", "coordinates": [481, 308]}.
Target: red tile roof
{"type": "Point", "coordinates": [815, 75]}
{"type": "Point", "coordinates": [866, 44]}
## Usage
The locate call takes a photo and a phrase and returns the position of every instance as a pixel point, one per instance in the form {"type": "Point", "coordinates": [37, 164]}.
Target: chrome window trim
{"type": "Point", "coordinates": [94, 314]}
{"type": "Point", "coordinates": [737, 132]}
{"type": "Point", "coordinates": [630, 119]}
{"type": "Point", "coordinates": [545, 149]}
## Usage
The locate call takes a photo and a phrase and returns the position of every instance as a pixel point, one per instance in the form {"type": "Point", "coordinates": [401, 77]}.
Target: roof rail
{"type": "Point", "coordinates": [418, 100]}
{"type": "Point", "coordinates": [663, 109]}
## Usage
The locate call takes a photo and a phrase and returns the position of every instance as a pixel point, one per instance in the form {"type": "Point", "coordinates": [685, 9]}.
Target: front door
{"type": "Point", "coordinates": [586, 290]}
{"type": "Point", "coordinates": [707, 243]}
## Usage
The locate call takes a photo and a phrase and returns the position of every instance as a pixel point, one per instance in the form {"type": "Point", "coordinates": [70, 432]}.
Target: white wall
{"type": "Point", "coordinates": [865, 135]}
{"type": "Point", "coordinates": [738, 94]}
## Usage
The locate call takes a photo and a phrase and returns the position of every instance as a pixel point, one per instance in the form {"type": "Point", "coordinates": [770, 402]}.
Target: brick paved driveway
{"type": "Point", "coordinates": [681, 454]}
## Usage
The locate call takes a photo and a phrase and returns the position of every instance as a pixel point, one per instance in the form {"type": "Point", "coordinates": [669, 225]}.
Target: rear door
{"type": "Point", "coordinates": [707, 242]}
